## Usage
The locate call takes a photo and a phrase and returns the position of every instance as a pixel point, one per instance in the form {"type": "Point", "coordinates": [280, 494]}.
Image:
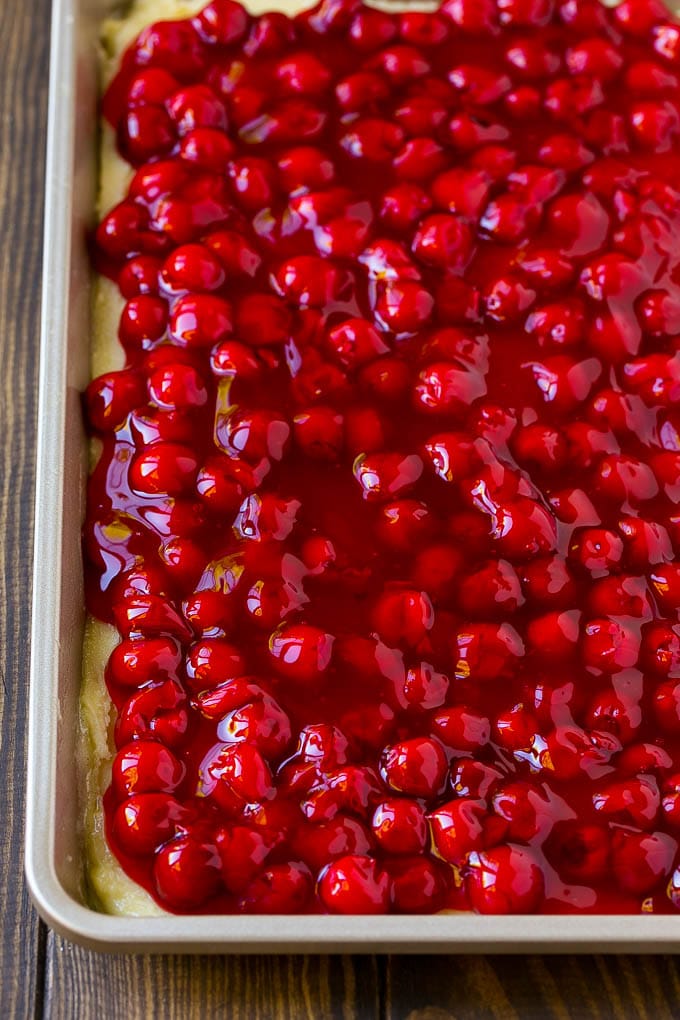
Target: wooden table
{"type": "Point", "coordinates": [40, 974]}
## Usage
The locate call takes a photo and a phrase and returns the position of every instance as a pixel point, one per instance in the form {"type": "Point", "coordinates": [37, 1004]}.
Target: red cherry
{"type": "Point", "coordinates": [212, 661]}
{"type": "Point", "coordinates": [145, 766]}
{"type": "Point", "coordinates": [473, 779]}
{"type": "Point", "coordinates": [157, 711]}
{"type": "Point", "coordinates": [635, 800]}
{"type": "Point", "coordinates": [280, 889]}
{"type": "Point", "coordinates": [666, 706]}
{"type": "Point", "coordinates": [354, 884]}
{"type": "Point", "coordinates": [403, 205]}
{"type": "Point", "coordinates": [403, 616]}
{"type": "Point", "coordinates": [139, 275]}
{"type": "Point", "coordinates": [516, 728]}
{"type": "Point", "coordinates": [579, 851]}
{"type": "Point", "coordinates": [177, 387]}
{"type": "Point", "coordinates": [143, 321]}
{"type": "Point", "coordinates": [404, 524]}
{"type": "Point", "coordinates": [145, 132]}
{"type": "Point", "coordinates": [166, 468]}
{"type": "Point", "coordinates": [300, 652]}
{"type": "Point", "coordinates": [319, 433]}
{"type": "Point", "coordinates": [616, 715]}
{"type": "Point", "coordinates": [200, 320]}
{"type": "Point", "coordinates": [187, 872]}
{"type": "Point", "coordinates": [488, 651]}
{"type": "Point", "coordinates": [305, 167]}
{"type": "Point", "coordinates": [641, 861]}
{"type": "Point", "coordinates": [253, 435]}
{"type": "Point", "coordinates": [461, 729]}
{"type": "Point", "coordinates": [416, 767]}
{"type": "Point", "coordinates": [665, 584]}
{"type": "Point", "coordinates": [400, 826]}
{"type": "Point", "coordinates": [354, 789]}
{"type": "Point", "coordinates": [419, 885]}
{"type": "Point", "coordinates": [135, 661]}
{"type": "Point", "coordinates": [222, 22]}
{"type": "Point", "coordinates": [145, 821]}
{"type": "Point", "coordinates": [503, 880]}
{"type": "Point", "coordinates": [320, 843]}
{"type": "Point", "coordinates": [242, 851]}
{"type": "Point", "coordinates": [660, 650]}
{"type": "Point", "coordinates": [493, 590]}
{"type": "Point", "coordinates": [457, 827]}
{"type": "Point", "coordinates": [149, 615]}
{"type": "Point", "coordinates": [111, 397]}
{"type": "Point", "coordinates": [386, 475]}
{"type": "Point", "coordinates": [609, 646]}
{"type": "Point", "coordinates": [223, 482]}
{"type": "Point", "coordinates": [235, 769]}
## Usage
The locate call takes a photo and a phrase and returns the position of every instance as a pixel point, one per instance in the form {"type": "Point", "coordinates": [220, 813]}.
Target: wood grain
{"type": "Point", "coordinates": [85, 986]}
{"type": "Point", "coordinates": [23, 93]}
{"type": "Point", "coordinates": [532, 988]}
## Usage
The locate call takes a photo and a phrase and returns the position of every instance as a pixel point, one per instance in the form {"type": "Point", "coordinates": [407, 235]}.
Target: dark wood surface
{"type": "Point", "coordinates": [40, 974]}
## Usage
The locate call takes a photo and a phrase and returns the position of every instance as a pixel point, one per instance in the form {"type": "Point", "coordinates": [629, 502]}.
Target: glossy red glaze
{"type": "Point", "coordinates": [386, 510]}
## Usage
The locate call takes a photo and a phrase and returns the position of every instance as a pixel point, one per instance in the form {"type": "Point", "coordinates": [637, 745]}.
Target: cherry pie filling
{"type": "Point", "coordinates": [386, 513]}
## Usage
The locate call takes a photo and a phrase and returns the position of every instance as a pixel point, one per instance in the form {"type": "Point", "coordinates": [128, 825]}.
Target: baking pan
{"type": "Point", "coordinates": [54, 856]}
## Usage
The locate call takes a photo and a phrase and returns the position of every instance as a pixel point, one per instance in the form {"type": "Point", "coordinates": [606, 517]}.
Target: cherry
{"type": "Point", "coordinates": [523, 529]}
{"type": "Point", "coordinates": [253, 435]}
{"type": "Point", "coordinates": [279, 889]}
{"type": "Point", "coordinates": [461, 191]}
{"type": "Point", "coordinates": [135, 661]}
{"type": "Point", "coordinates": [192, 267]}
{"type": "Point", "coordinates": [187, 872]}
{"type": "Point", "coordinates": [505, 879]}
{"type": "Point", "coordinates": [300, 652]}
{"type": "Point", "coordinates": [457, 827]}
{"type": "Point", "coordinates": [166, 468]}
{"type": "Point", "coordinates": [473, 779]}
{"type": "Point", "coordinates": [321, 842]}
{"type": "Point", "coordinates": [660, 650]}
{"type": "Point", "coordinates": [110, 398]}
{"type": "Point", "coordinates": [234, 252]}
{"type": "Point", "coordinates": [212, 661]}
{"type": "Point", "coordinates": [177, 387]}
{"type": "Point", "coordinates": [354, 884]}
{"type": "Point", "coordinates": [235, 769]}
{"type": "Point", "coordinates": [641, 860]}
{"type": "Point", "coordinates": [579, 851]}
{"type": "Point", "coordinates": [665, 583]}
{"type": "Point", "coordinates": [403, 205]}
{"type": "Point", "coordinates": [222, 483]}
{"type": "Point", "coordinates": [554, 635]}
{"type": "Point", "coordinates": [516, 728]}
{"type": "Point", "coordinates": [488, 651]}
{"type": "Point", "coordinates": [145, 766]}
{"type": "Point", "coordinates": [493, 590]}
{"type": "Point", "coordinates": [157, 711]}
{"type": "Point", "coordinates": [143, 320]}
{"type": "Point", "coordinates": [416, 767]}
{"type": "Point", "coordinates": [461, 729]}
{"type": "Point", "coordinates": [418, 884]}
{"type": "Point", "coordinates": [242, 851]}
{"type": "Point", "coordinates": [436, 569]}
{"type": "Point", "coordinates": [404, 524]}
{"type": "Point", "coordinates": [144, 821]}
{"type": "Point", "coordinates": [403, 616]}
{"type": "Point", "coordinates": [400, 826]}
{"type": "Point", "coordinates": [635, 800]}
{"type": "Point", "coordinates": [200, 320]}
{"type": "Point", "coordinates": [609, 646]}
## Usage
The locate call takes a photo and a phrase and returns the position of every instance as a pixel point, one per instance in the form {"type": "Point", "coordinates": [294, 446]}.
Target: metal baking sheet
{"type": "Point", "coordinates": [54, 857]}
